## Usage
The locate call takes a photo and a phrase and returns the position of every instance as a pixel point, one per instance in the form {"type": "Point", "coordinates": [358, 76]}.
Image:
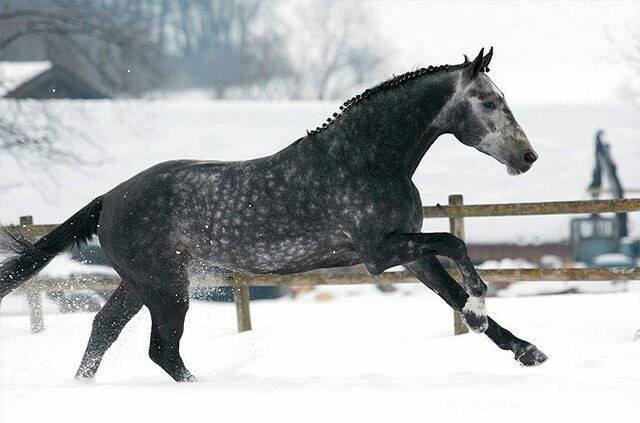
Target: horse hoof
{"type": "Point", "coordinates": [85, 379]}
{"type": "Point", "coordinates": [474, 314]}
{"type": "Point", "coordinates": [530, 356]}
{"type": "Point", "coordinates": [186, 377]}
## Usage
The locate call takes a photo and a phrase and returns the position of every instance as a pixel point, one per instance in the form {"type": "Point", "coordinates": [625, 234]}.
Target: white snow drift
{"type": "Point", "coordinates": [369, 357]}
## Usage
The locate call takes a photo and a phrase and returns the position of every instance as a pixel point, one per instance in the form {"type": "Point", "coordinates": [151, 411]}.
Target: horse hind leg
{"type": "Point", "coordinates": [107, 325]}
{"type": "Point", "coordinates": [168, 311]}
{"type": "Point", "coordinates": [162, 285]}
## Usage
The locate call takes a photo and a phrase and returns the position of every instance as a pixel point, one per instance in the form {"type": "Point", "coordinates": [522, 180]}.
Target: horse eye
{"type": "Point", "coordinates": [489, 105]}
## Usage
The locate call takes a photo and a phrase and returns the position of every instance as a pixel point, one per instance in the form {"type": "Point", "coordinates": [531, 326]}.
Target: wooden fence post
{"type": "Point", "coordinates": [456, 227]}
{"type": "Point", "coordinates": [241, 297]}
{"type": "Point", "coordinates": [34, 298]}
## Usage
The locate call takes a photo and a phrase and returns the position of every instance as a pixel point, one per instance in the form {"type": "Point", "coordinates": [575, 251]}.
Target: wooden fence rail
{"type": "Point", "coordinates": [590, 274]}
{"type": "Point", "coordinates": [531, 209]}
{"type": "Point", "coordinates": [469, 210]}
{"type": "Point", "coordinates": [456, 211]}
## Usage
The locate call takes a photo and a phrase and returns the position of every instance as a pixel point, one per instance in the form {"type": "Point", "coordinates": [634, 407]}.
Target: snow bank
{"type": "Point", "coordinates": [613, 260]}
{"type": "Point", "coordinates": [63, 266]}
{"type": "Point", "coordinates": [524, 289]}
{"type": "Point", "coordinates": [17, 305]}
{"type": "Point", "coordinates": [374, 359]}
{"type": "Point", "coordinates": [507, 263]}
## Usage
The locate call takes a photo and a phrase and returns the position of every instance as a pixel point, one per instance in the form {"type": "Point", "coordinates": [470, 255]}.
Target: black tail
{"type": "Point", "coordinates": [28, 259]}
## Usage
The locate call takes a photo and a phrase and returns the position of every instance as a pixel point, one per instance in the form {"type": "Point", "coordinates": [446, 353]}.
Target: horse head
{"type": "Point", "coordinates": [478, 116]}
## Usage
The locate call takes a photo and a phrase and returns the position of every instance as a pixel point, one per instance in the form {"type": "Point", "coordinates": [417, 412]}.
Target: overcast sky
{"type": "Point", "coordinates": [545, 51]}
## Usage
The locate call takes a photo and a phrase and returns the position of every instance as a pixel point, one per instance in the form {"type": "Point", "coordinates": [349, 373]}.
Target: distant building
{"type": "Point", "coordinates": [42, 80]}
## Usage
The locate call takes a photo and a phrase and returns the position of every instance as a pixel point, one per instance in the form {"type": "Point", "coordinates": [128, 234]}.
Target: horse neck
{"type": "Point", "coordinates": [393, 129]}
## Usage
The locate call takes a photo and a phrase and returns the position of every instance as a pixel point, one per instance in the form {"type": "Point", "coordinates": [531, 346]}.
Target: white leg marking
{"type": "Point", "coordinates": [476, 306]}
{"type": "Point", "coordinates": [475, 314]}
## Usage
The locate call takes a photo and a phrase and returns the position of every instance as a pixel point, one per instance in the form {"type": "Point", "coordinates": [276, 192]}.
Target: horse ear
{"type": "Point", "coordinates": [487, 58]}
{"type": "Point", "coordinates": [472, 70]}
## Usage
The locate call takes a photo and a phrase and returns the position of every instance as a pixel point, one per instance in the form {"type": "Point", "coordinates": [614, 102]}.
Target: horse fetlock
{"type": "Point", "coordinates": [474, 313]}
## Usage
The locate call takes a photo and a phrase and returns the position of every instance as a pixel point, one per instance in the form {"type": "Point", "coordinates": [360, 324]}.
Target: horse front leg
{"type": "Point", "coordinates": [402, 248]}
{"type": "Point", "coordinates": [431, 273]}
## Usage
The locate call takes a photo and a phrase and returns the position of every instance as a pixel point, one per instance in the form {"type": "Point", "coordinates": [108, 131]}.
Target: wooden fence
{"type": "Point", "coordinates": [455, 211]}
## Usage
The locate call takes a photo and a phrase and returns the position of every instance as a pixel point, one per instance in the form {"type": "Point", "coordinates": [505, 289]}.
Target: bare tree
{"type": "Point", "coordinates": [336, 46]}
{"type": "Point", "coordinates": [221, 44]}
{"type": "Point", "coordinates": [100, 39]}
{"type": "Point", "coordinates": [626, 50]}
{"type": "Point", "coordinates": [29, 134]}
{"type": "Point", "coordinates": [103, 38]}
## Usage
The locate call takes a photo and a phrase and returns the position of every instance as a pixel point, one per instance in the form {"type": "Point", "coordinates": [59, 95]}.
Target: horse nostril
{"type": "Point", "coordinates": [530, 156]}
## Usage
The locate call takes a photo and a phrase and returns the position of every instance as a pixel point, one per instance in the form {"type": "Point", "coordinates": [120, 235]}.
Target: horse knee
{"type": "Point", "coordinates": [479, 290]}
{"type": "Point", "coordinates": [458, 248]}
{"type": "Point", "coordinates": [375, 268]}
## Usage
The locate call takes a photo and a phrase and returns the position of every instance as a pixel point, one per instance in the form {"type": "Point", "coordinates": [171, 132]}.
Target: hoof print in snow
{"type": "Point", "coordinates": [475, 315]}
{"type": "Point", "coordinates": [530, 356]}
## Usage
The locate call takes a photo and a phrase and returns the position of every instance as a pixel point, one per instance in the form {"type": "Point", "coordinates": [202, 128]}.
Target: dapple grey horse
{"type": "Point", "coordinates": [339, 196]}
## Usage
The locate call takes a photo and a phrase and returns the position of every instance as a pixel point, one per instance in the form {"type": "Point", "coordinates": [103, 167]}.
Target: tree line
{"type": "Point", "coordinates": [232, 48]}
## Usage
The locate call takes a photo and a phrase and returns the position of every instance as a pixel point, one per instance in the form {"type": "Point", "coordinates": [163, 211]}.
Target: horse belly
{"type": "Point", "coordinates": [282, 256]}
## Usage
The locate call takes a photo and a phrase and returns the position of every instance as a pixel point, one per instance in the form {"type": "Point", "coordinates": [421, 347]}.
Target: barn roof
{"type": "Point", "coordinates": [14, 74]}
{"type": "Point", "coordinates": [42, 80]}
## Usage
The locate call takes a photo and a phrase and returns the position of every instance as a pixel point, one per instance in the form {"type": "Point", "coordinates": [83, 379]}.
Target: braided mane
{"type": "Point", "coordinates": [387, 85]}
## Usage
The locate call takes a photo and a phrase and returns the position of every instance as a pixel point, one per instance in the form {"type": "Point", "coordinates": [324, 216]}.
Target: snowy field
{"type": "Point", "coordinates": [123, 137]}
{"type": "Point", "coordinates": [363, 356]}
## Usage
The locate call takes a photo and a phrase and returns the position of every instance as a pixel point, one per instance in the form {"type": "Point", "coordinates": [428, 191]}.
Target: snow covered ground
{"type": "Point", "coordinates": [364, 357]}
